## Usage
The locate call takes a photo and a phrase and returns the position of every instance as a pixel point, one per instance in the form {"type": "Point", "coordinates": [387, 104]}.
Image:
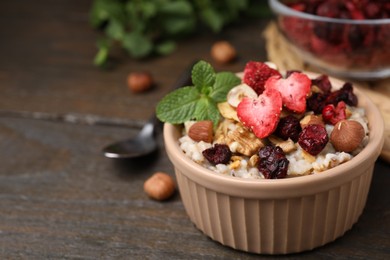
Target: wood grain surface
{"type": "Point", "coordinates": [60, 198]}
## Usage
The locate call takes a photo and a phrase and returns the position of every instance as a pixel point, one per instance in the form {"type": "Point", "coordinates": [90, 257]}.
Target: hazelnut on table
{"type": "Point", "coordinates": [160, 186]}
{"type": "Point", "coordinates": [139, 82]}
{"type": "Point", "coordinates": [223, 52]}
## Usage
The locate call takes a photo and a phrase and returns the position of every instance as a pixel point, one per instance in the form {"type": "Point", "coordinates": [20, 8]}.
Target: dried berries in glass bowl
{"type": "Point", "coordinates": [269, 216]}
{"type": "Point", "coordinates": [342, 38]}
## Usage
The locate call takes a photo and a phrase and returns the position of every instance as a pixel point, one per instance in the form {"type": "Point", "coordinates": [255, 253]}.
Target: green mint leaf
{"type": "Point", "coordinates": [178, 106]}
{"type": "Point", "coordinates": [177, 8]}
{"type": "Point", "coordinates": [176, 25]}
{"type": "Point", "coordinates": [200, 101]}
{"type": "Point", "coordinates": [137, 44]}
{"type": "Point", "coordinates": [101, 56]}
{"type": "Point", "coordinates": [115, 30]}
{"type": "Point", "coordinates": [165, 47]}
{"type": "Point", "coordinates": [206, 109]}
{"type": "Point", "coordinates": [203, 75]}
{"type": "Point", "coordinates": [213, 19]}
{"type": "Point", "coordinates": [224, 82]}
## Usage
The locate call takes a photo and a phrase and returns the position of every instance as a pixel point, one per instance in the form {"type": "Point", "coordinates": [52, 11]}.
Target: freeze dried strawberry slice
{"type": "Point", "coordinates": [333, 114]}
{"type": "Point", "coordinates": [261, 114]}
{"type": "Point", "coordinates": [293, 89]}
{"type": "Point", "coordinates": [256, 74]}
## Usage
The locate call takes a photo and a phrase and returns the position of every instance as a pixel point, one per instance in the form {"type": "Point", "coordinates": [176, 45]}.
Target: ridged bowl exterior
{"type": "Point", "coordinates": [277, 216]}
{"type": "Point", "coordinates": [275, 226]}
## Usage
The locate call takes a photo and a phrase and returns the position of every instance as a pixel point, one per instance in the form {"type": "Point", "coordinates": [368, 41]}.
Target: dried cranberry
{"type": "Point", "coordinates": [331, 33]}
{"type": "Point", "coordinates": [344, 94]}
{"type": "Point", "coordinates": [373, 11]}
{"type": "Point", "coordinates": [328, 9]}
{"type": "Point", "coordinates": [313, 138]}
{"type": "Point", "coordinates": [273, 163]}
{"type": "Point", "coordinates": [289, 72]}
{"type": "Point", "coordinates": [288, 127]}
{"type": "Point", "coordinates": [316, 102]}
{"type": "Point", "coordinates": [332, 114]}
{"type": "Point", "coordinates": [355, 36]}
{"type": "Point", "coordinates": [218, 154]}
{"type": "Point", "coordinates": [323, 83]}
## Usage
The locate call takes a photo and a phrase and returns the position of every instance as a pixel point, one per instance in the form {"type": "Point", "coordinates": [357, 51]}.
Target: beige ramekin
{"type": "Point", "coordinates": [278, 216]}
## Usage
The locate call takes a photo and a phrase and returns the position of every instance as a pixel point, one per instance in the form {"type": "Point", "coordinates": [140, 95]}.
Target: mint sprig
{"type": "Point", "coordinates": [198, 102]}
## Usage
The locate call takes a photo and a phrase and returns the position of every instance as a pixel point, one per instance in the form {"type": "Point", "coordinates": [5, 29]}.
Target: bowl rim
{"type": "Point", "coordinates": [288, 187]}
{"type": "Point", "coordinates": [280, 8]}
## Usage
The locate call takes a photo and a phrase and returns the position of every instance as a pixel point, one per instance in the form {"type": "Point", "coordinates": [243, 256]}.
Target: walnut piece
{"type": "Point", "coordinates": [286, 145]}
{"type": "Point", "coordinates": [238, 138]}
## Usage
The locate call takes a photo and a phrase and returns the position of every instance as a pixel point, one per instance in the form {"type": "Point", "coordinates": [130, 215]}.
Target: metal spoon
{"type": "Point", "coordinates": [145, 142]}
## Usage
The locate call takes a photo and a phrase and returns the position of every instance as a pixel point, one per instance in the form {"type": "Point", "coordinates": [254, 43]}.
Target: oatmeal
{"type": "Point", "coordinates": [277, 126]}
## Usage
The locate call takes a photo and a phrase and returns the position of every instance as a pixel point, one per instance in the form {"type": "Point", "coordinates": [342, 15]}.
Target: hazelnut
{"type": "Point", "coordinates": [347, 135]}
{"type": "Point", "coordinates": [201, 131]}
{"type": "Point", "coordinates": [223, 52]}
{"type": "Point", "coordinates": [160, 186]}
{"type": "Point", "coordinates": [139, 82]}
{"type": "Point", "coordinates": [311, 120]}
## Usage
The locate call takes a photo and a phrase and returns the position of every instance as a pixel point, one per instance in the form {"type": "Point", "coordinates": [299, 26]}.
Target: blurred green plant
{"type": "Point", "coordinates": [149, 27]}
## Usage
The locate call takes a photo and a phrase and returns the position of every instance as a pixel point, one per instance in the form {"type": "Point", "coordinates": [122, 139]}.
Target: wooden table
{"type": "Point", "coordinates": [60, 198]}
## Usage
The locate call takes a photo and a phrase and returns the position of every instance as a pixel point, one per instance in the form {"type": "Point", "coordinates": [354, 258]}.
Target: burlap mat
{"type": "Point", "coordinates": [280, 53]}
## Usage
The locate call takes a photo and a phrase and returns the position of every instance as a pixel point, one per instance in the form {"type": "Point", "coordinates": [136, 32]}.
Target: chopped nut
{"type": "Point", "coordinates": [308, 157]}
{"type": "Point", "coordinates": [202, 131]}
{"type": "Point", "coordinates": [221, 131]}
{"type": "Point", "coordinates": [253, 160]}
{"type": "Point", "coordinates": [235, 164]}
{"type": "Point", "coordinates": [236, 158]}
{"type": "Point", "coordinates": [348, 112]}
{"type": "Point", "coordinates": [311, 119]}
{"type": "Point", "coordinates": [286, 145]}
{"type": "Point", "coordinates": [236, 94]}
{"type": "Point", "coordinates": [227, 111]}
{"type": "Point", "coordinates": [238, 138]}
{"type": "Point", "coordinates": [248, 143]}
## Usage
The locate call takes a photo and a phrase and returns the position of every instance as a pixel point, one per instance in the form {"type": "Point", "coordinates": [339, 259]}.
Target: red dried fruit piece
{"type": "Point", "coordinates": [323, 83]}
{"type": "Point", "coordinates": [288, 127]}
{"type": "Point", "coordinates": [344, 94]}
{"type": "Point", "coordinates": [261, 115]}
{"type": "Point", "coordinates": [289, 72]}
{"type": "Point", "coordinates": [256, 74]}
{"type": "Point", "coordinates": [329, 9]}
{"type": "Point", "coordinates": [372, 11]}
{"type": "Point", "coordinates": [332, 114]}
{"type": "Point", "coordinates": [218, 154]}
{"type": "Point", "coordinates": [313, 139]}
{"type": "Point", "coordinates": [316, 102]}
{"type": "Point", "coordinates": [273, 163]}
{"type": "Point", "coordinates": [294, 90]}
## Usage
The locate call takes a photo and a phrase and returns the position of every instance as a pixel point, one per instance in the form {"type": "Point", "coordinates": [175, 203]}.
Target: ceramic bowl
{"type": "Point", "coordinates": [277, 216]}
{"type": "Point", "coordinates": [357, 49]}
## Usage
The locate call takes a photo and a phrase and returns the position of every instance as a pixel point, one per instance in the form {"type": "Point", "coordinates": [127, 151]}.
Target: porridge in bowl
{"type": "Point", "coordinates": [247, 211]}
{"type": "Point", "coordinates": [276, 125]}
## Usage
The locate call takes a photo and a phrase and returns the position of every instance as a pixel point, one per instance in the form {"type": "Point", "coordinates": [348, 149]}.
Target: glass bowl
{"type": "Point", "coordinates": [356, 49]}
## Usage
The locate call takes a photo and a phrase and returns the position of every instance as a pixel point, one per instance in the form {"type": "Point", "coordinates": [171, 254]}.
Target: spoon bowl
{"type": "Point", "coordinates": [145, 142]}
